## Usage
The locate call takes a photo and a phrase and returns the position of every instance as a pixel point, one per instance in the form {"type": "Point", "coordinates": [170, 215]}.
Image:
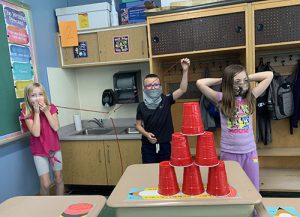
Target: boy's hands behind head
{"type": "Point", "coordinates": [185, 64]}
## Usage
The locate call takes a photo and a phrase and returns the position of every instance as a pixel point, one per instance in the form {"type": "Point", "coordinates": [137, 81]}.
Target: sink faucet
{"type": "Point", "coordinates": [99, 122]}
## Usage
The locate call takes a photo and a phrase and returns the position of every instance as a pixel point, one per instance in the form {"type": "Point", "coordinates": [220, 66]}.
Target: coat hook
{"type": "Point", "coordinates": [261, 60]}
{"type": "Point", "coordinates": [275, 58]}
{"type": "Point", "coordinates": [282, 62]}
{"type": "Point", "coordinates": [290, 57]}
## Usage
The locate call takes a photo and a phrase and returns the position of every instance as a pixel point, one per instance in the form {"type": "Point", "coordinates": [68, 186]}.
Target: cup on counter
{"type": "Point", "coordinates": [206, 154]}
{"type": "Point", "coordinates": [77, 122]}
{"type": "Point", "coordinates": [192, 181]}
{"type": "Point", "coordinates": [167, 185]}
{"type": "Point", "coordinates": [191, 119]}
{"type": "Point", "coordinates": [180, 150]}
{"type": "Point", "coordinates": [217, 183]}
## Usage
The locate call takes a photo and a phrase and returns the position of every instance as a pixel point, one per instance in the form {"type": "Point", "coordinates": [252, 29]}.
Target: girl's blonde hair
{"type": "Point", "coordinates": [28, 108]}
{"type": "Point", "coordinates": [227, 105]}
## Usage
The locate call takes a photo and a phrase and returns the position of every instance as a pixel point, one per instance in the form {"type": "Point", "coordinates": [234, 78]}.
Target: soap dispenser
{"type": "Point", "coordinates": [114, 19]}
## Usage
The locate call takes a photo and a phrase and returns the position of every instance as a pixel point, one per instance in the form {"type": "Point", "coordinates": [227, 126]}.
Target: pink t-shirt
{"type": "Point", "coordinates": [48, 139]}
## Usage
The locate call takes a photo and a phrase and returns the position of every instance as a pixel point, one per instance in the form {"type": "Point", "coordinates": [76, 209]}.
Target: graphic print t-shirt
{"type": "Point", "coordinates": [237, 133]}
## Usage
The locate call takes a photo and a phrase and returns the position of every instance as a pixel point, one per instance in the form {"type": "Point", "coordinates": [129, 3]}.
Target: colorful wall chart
{"type": "Point", "coordinates": [17, 64]}
{"type": "Point", "coordinates": [21, 52]}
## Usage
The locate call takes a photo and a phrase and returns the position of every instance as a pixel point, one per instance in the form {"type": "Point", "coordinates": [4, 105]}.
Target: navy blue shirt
{"type": "Point", "coordinates": [157, 121]}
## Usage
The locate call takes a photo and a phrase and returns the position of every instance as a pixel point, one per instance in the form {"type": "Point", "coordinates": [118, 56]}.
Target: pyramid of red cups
{"type": "Point", "coordinates": [217, 184]}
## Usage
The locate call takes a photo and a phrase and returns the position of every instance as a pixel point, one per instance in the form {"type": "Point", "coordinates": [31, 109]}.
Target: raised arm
{"type": "Point", "coordinates": [264, 79]}
{"type": "Point", "coordinates": [185, 64]}
{"type": "Point", "coordinates": [204, 85]}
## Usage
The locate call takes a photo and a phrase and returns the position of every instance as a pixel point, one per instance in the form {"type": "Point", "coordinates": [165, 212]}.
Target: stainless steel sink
{"type": "Point", "coordinates": [102, 131]}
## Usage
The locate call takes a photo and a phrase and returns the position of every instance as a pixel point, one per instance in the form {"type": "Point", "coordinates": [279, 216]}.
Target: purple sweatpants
{"type": "Point", "coordinates": [248, 161]}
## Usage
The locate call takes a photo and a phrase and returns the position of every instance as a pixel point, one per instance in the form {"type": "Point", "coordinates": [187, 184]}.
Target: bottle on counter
{"type": "Point", "coordinates": [114, 18]}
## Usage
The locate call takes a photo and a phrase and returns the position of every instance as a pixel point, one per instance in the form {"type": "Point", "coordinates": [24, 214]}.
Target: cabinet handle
{"type": "Point", "coordinates": [99, 156]}
{"type": "Point", "coordinates": [260, 27]}
{"type": "Point", "coordinates": [155, 39]}
{"type": "Point", "coordinates": [143, 51]}
{"type": "Point", "coordinates": [238, 29]}
{"type": "Point", "coordinates": [108, 157]}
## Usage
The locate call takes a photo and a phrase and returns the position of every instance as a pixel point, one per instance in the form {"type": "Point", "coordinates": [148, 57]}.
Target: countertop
{"type": "Point", "coordinates": [69, 133]}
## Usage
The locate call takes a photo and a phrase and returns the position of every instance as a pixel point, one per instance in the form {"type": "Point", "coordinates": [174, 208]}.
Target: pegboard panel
{"type": "Point", "coordinates": [277, 25]}
{"type": "Point", "coordinates": [171, 37]}
{"type": "Point", "coordinates": [219, 31]}
{"type": "Point", "coordinates": [192, 92]}
{"type": "Point", "coordinates": [198, 69]}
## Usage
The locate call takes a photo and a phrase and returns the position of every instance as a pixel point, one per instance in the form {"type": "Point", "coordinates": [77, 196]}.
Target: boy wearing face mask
{"type": "Point", "coordinates": [154, 119]}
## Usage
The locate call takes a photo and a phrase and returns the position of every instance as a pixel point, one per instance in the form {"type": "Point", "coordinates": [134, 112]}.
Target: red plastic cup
{"type": "Point", "coordinates": [217, 184]}
{"type": "Point", "coordinates": [192, 181]}
{"type": "Point", "coordinates": [191, 119]}
{"type": "Point", "coordinates": [180, 150]}
{"type": "Point", "coordinates": [167, 185]}
{"type": "Point", "coordinates": [206, 154]}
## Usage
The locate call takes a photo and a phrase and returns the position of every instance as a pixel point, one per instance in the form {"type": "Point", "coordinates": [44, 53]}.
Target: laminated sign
{"type": "Point", "coordinates": [121, 44]}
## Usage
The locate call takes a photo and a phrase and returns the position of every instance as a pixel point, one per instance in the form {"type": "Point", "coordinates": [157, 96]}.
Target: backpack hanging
{"type": "Point", "coordinates": [263, 121]}
{"type": "Point", "coordinates": [280, 97]}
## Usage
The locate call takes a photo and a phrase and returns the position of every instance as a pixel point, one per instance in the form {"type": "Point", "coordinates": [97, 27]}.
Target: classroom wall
{"type": "Point", "coordinates": [82, 88]}
{"type": "Point", "coordinates": [45, 27]}
{"type": "Point", "coordinates": [18, 174]}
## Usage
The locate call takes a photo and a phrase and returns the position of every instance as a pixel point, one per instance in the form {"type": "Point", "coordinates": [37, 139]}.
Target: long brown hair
{"type": "Point", "coordinates": [28, 108]}
{"type": "Point", "coordinates": [227, 105]}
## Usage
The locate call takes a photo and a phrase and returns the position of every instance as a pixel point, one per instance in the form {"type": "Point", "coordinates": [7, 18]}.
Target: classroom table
{"type": "Point", "coordinates": [276, 203]}
{"type": "Point", "coordinates": [48, 206]}
{"type": "Point", "coordinates": [146, 176]}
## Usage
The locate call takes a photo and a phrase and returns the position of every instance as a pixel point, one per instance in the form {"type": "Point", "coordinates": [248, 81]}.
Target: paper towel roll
{"type": "Point", "coordinates": [77, 122]}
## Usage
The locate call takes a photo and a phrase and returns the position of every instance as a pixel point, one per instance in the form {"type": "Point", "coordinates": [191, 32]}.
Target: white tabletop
{"type": "Point", "coordinates": [146, 176]}
{"type": "Point", "coordinates": [48, 206]}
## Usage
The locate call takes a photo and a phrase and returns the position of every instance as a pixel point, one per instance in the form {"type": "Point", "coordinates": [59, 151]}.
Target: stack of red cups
{"type": "Point", "coordinates": [192, 125]}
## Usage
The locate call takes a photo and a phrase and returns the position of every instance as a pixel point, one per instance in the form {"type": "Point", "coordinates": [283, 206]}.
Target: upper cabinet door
{"type": "Point", "coordinates": [204, 33]}
{"type": "Point", "coordinates": [123, 44]}
{"type": "Point", "coordinates": [85, 52]}
{"type": "Point", "coordinates": [276, 25]}
{"type": "Point", "coordinates": [226, 30]}
{"type": "Point", "coordinates": [171, 37]}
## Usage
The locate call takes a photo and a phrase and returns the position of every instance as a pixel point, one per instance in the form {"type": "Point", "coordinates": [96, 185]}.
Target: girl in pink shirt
{"type": "Point", "coordinates": [39, 117]}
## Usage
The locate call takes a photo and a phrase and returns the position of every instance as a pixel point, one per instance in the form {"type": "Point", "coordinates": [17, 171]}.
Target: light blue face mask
{"type": "Point", "coordinates": [152, 98]}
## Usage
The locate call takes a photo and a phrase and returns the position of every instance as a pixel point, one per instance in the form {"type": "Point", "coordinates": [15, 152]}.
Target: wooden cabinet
{"type": "Point", "coordinates": [118, 160]}
{"type": "Point", "coordinates": [171, 37]}
{"type": "Point", "coordinates": [123, 44]}
{"type": "Point", "coordinates": [114, 45]}
{"type": "Point", "coordinates": [84, 162]}
{"type": "Point", "coordinates": [98, 162]}
{"type": "Point", "coordinates": [86, 52]}
{"type": "Point", "coordinates": [280, 23]}
{"type": "Point", "coordinates": [200, 32]}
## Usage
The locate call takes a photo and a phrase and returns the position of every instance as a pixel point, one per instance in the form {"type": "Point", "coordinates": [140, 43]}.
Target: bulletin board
{"type": "Point", "coordinates": [17, 65]}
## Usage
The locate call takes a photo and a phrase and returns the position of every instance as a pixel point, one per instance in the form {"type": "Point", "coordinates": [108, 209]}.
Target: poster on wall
{"type": "Point", "coordinates": [19, 63]}
{"type": "Point", "coordinates": [17, 22]}
{"type": "Point", "coordinates": [121, 44]}
{"type": "Point", "coordinates": [81, 50]}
